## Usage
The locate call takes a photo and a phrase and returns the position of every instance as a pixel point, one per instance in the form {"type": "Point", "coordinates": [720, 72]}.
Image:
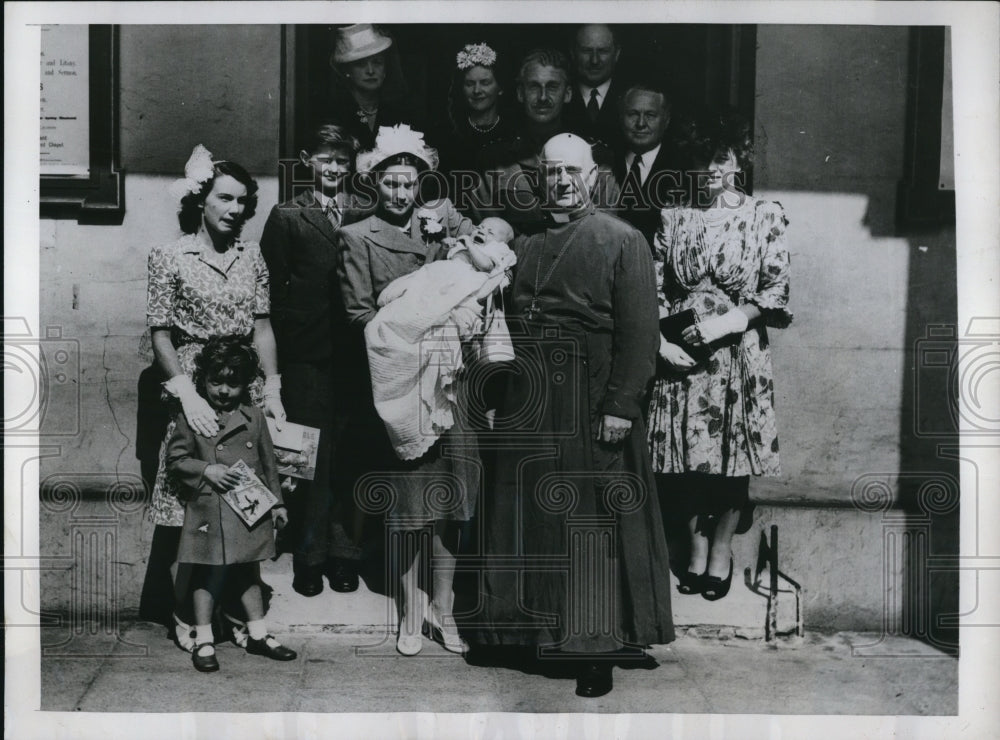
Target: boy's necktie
{"type": "Point", "coordinates": [332, 213]}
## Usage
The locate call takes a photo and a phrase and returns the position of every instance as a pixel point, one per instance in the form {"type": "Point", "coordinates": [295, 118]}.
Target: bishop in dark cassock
{"type": "Point", "coordinates": [575, 561]}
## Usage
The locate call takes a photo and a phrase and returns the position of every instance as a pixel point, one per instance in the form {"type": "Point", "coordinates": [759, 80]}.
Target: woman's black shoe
{"type": "Point", "coordinates": [270, 648]}
{"type": "Point", "coordinates": [714, 588]}
{"type": "Point", "coordinates": [594, 679]}
{"type": "Point", "coordinates": [690, 583]}
{"type": "Point", "coordinates": [343, 575]}
{"type": "Point", "coordinates": [308, 579]}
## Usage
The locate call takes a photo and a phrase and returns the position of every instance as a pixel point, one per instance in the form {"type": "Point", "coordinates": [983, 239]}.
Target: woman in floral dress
{"type": "Point", "coordinates": [711, 424]}
{"type": "Point", "coordinates": [207, 283]}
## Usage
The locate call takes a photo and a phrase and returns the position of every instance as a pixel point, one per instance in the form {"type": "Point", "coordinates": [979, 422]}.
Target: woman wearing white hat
{"type": "Point", "coordinates": [438, 490]}
{"type": "Point", "coordinates": [368, 84]}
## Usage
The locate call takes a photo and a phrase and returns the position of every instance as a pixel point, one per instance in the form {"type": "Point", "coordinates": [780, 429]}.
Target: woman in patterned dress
{"type": "Point", "coordinates": [711, 422]}
{"type": "Point", "coordinates": [207, 283]}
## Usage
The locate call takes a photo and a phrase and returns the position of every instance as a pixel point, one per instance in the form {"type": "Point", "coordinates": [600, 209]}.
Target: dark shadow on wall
{"type": "Point", "coordinates": [929, 489]}
{"type": "Point", "coordinates": [868, 125]}
{"type": "Point", "coordinates": [929, 469]}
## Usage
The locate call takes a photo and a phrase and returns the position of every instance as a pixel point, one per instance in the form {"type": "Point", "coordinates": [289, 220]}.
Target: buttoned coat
{"type": "Point", "coordinates": [212, 533]}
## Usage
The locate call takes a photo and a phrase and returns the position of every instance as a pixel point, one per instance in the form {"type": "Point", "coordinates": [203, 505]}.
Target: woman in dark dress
{"type": "Point", "coordinates": [479, 118]}
{"type": "Point", "coordinates": [368, 86]}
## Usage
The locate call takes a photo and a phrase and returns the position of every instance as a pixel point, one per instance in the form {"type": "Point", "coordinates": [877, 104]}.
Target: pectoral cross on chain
{"type": "Point", "coordinates": [532, 311]}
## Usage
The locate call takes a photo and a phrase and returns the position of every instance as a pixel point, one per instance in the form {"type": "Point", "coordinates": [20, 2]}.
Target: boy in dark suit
{"type": "Point", "coordinates": [299, 246]}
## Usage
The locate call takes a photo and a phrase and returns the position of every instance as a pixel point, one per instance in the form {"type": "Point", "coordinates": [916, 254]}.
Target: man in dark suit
{"type": "Point", "coordinates": [645, 166]}
{"type": "Point", "coordinates": [318, 388]}
{"type": "Point", "coordinates": [593, 111]}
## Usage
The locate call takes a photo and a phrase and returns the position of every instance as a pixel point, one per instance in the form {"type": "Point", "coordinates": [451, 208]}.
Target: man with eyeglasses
{"type": "Point", "coordinates": [512, 186]}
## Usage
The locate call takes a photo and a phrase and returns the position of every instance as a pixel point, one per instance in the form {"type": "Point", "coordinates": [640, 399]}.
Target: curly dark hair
{"type": "Point", "coordinates": [704, 136]}
{"type": "Point", "coordinates": [189, 215]}
{"type": "Point", "coordinates": [229, 357]}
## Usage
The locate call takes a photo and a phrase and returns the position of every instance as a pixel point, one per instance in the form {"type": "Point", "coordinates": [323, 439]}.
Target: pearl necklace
{"type": "Point", "coordinates": [483, 129]}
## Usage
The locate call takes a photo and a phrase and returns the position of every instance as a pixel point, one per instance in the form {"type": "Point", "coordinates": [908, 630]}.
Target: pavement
{"type": "Point", "coordinates": [348, 663]}
{"type": "Point", "coordinates": [338, 672]}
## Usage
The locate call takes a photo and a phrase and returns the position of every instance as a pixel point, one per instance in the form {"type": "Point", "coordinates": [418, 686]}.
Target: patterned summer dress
{"type": "Point", "coordinates": [719, 418]}
{"type": "Point", "coordinates": [199, 293]}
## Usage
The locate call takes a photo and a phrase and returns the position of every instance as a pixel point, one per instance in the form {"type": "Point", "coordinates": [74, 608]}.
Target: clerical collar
{"type": "Point", "coordinates": [564, 217]}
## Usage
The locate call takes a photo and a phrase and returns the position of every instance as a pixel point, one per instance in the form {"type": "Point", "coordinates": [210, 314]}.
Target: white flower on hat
{"type": "Point", "coordinates": [474, 55]}
{"type": "Point", "coordinates": [198, 170]}
{"type": "Point", "coordinates": [393, 140]}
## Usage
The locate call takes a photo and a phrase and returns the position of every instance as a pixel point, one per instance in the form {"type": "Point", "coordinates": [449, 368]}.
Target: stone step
{"type": "Point", "coordinates": [742, 612]}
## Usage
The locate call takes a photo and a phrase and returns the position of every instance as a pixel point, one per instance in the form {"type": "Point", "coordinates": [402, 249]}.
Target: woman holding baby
{"type": "Point", "coordinates": [426, 493]}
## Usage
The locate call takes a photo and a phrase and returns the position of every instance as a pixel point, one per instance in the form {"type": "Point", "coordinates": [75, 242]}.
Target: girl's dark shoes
{"type": "Point", "coordinates": [270, 648]}
{"type": "Point", "coordinates": [594, 679]}
{"type": "Point", "coordinates": [714, 588]}
{"type": "Point", "coordinates": [203, 657]}
{"type": "Point", "coordinates": [690, 583]}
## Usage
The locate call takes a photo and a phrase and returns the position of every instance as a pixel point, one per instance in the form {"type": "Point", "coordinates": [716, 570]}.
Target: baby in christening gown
{"type": "Point", "coordinates": [485, 250]}
{"type": "Point", "coordinates": [415, 340]}
{"type": "Point", "coordinates": [482, 248]}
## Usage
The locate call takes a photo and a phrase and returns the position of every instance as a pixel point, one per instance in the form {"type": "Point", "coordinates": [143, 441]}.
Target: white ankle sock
{"type": "Point", "coordinates": [257, 629]}
{"type": "Point", "coordinates": [203, 634]}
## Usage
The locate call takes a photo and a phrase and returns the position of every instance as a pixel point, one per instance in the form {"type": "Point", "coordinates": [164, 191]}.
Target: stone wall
{"type": "Point", "coordinates": [830, 135]}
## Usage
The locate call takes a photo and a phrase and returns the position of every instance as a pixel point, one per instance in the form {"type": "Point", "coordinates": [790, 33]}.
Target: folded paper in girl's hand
{"type": "Point", "coordinates": [251, 499]}
{"type": "Point", "coordinates": [296, 447]}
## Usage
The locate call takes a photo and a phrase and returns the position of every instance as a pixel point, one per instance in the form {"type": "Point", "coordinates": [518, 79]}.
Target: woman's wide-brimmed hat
{"type": "Point", "coordinates": [395, 140]}
{"type": "Point", "coordinates": [359, 41]}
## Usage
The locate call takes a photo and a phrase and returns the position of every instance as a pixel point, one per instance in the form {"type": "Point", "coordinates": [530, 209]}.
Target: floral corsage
{"type": "Point", "coordinates": [431, 227]}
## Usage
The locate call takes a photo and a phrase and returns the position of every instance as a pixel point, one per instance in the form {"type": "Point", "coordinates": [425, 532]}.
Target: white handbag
{"type": "Point", "coordinates": [496, 342]}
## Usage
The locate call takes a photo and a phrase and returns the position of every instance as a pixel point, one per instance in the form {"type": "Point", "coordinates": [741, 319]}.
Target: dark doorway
{"type": "Point", "coordinates": [703, 64]}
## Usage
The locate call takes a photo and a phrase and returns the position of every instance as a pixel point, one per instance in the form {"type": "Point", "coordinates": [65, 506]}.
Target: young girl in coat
{"type": "Point", "coordinates": [220, 546]}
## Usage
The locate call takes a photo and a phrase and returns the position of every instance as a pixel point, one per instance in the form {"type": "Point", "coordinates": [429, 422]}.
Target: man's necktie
{"type": "Point", "coordinates": [593, 109]}
{"type": "Point", "coordinates": [634, 176]}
